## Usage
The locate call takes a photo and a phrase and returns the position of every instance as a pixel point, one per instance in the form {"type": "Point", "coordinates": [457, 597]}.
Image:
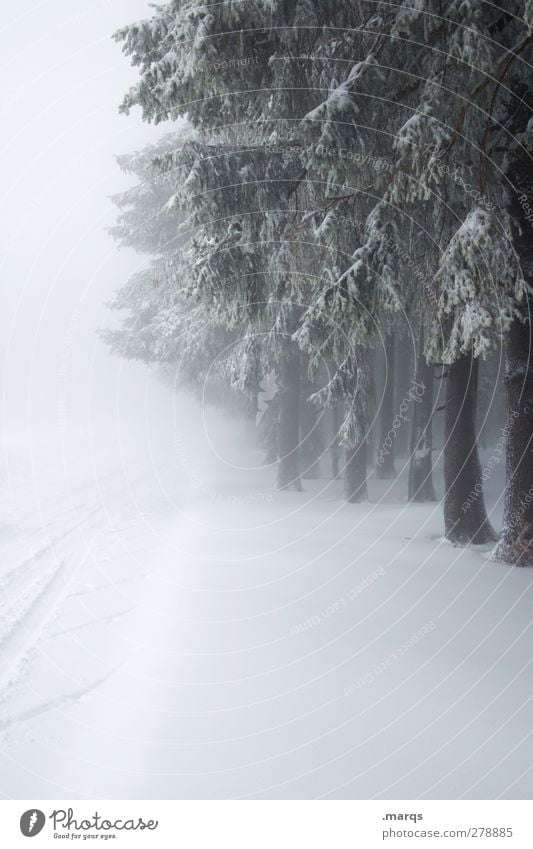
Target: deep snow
{"type": "Point", "coordinates": [180, 629]}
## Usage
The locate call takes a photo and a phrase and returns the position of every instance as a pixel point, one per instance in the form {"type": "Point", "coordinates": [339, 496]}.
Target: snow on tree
{"type": "Point", "coordinates": [438, 91]}
{"type": "Point", "coordinates": [241, 179]}
{"type": "Point", "coordinates": [480, 288]}
{"type": "Point", "coordinates": [161, 322]}
{"type": "Point", "coordinates": [403, 145]}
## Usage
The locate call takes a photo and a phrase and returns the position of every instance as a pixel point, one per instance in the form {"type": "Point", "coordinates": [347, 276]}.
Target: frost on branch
{"type": "Point", "coordinates": [479, 286]}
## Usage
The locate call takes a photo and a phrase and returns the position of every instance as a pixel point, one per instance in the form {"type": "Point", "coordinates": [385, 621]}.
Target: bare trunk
{"type": "Point", "coordinates": [421, 449]}
{"type": "Point", "coordinates": [312, 444]}
{"type": "Point", "coordinates": [385, 461]}
{"type": "Point", "coordinates": [335, 448]}
{"type": "Point", "coordinates": [465, 517]}
{"type": "Point", "coordinates": [404, 359]}
{"type": "Point", "coordinates": [516, 543]}
{"type": "Point", "coordinates": [289, 420]}
{"type": "Point", "coordinates": [268, 430]}
{"type": "Point", "coordinates": [250, 417]}
{"type": "Point", "coordinates": [355, 474]}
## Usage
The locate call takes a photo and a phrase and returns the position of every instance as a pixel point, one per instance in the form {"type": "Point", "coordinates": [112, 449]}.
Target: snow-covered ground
{"type": "Point", "coordinates": [174, 629]}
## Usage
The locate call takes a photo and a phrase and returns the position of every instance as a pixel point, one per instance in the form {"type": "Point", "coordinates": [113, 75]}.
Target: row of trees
{"type": "Point", "coordinates": [314, 210]}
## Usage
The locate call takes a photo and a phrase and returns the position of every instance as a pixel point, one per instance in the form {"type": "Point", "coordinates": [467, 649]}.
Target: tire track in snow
{"type": "Point", "coordinates": [110, 617]}
{"type": "Point", "coordinates": [44, 550]}
{"type": "Point", "coordinates": [40, 605]}
{"type": "Point", "coordinates": [55, 704]}
{"type": "Point", "coordinates": [26, 630]}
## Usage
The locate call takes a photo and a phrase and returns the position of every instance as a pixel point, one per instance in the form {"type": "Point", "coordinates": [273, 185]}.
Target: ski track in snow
{"type": "Point", "coordinates": [35, 590]}
{"type": "Point", "coordinates": [152, 649]}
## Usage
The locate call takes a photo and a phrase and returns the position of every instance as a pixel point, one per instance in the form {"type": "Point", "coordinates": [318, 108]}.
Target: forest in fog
{"type": "Point", "coordinates": [266, 481]}
{"type": "Point", "coordinates": [338, 239]}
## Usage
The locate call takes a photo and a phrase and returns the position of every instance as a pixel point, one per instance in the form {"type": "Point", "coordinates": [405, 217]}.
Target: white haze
{"type": "Point", "coordinates": [61, 83]}
{"type": "Point", "coordinates": [160, 637]}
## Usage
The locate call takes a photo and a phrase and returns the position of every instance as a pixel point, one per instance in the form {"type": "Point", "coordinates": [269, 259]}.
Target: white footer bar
{"type": "Point", "coordinates": [267, 824]}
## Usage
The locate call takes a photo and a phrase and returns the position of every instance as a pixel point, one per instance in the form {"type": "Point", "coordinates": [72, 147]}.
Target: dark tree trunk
{"type": "Point", "coordinates": [355, 474]}
{"type": "Point", "coordinates": [403, 356]}
{"type": "Point", "coordinates": [312, 442]}
{"type": "Point", "coordinates": [289, 420]}
{"type": "Point", "coordinates": [465, 517]}
{"type": "Point", "coordinates": [335, 448]}
{"type": "Point", "coordinates": [516, 543]}
{"type": "Point", "coordinates": [385, 460]}
{"type": "Point", "coordinates": [250, 416]}
{"type": "Point", "coordinates": [421, 449]}
{"type": "Point", "coordinates": [268, 430]}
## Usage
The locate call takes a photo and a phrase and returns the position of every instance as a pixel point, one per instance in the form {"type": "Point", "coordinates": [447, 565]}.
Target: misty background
{"type": "Point", "coordinates": [175, 631]}
{"type": "Point", "coordinates": [61, 82]}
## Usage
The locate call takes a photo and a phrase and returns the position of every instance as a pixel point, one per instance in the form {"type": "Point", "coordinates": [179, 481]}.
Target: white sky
{"type": "Point", "coordinates": [61, 81]}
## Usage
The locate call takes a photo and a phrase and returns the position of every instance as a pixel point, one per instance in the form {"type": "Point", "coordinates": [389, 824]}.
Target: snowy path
{"type": "Point", "coordinates": [258, 644]}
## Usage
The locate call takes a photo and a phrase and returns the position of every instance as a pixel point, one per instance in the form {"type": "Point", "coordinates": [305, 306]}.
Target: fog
{"type": "Point", "coordinates": [70, 412]}
{"type": "Point", "coordinates": [264, 598]}
{"type": "Point", "coordinates": [61, 83]}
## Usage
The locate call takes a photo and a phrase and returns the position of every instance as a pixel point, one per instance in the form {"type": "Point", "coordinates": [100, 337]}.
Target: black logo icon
{"type": "Point", "coordinates": [32, 822]}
